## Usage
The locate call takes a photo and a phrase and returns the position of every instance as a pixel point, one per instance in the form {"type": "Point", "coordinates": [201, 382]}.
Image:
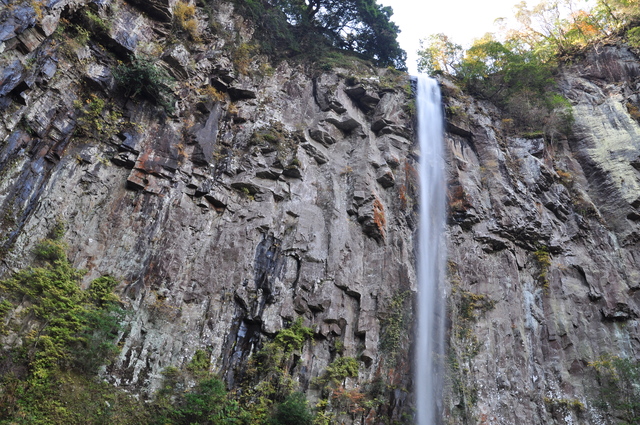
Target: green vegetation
{"type": "Point", "coordinates": [143, 78]}
{"type": "Point", "coordinates": [464, 309]}
{"type": "Point", "coordinates": [618, 389]}
{"type": "Point", "coordinates": [95, 23]}
{"type": "Point", "coordinates": [543, 260]}
{"type": "Point", "coordinates": [211, 404]}
{"type": "Point", "coordinates": [294, 410]}
{"type": "Point", "coordinates": [51, 376]}
{"type": "Point", "coordinates": [517, 71]}
{"type": "Point", "coordinates": [516, 79]}
{"type": "Point", "coordinates": [267, 381]}
{"type": "Point", "coordinates": [66, 334]}
{"type": "Point", "coordinates": [337, 401]}
{"type": "Point", "coordinates": [294, 27]}
{"type": "Point", "coordinates": [207, 403]}
{"type": "Point", "coordinates": [633, 37]}
{"type": "Point", "coordinates": [339, 370]}
{"type": "Point", "coordinates": [395, 326]}
{"type": "Point", "coordinates": [200, 363]}
{"type": "Point", "coordinates": [95, 119]}
{"type": "Point", "coordinates": [293, 338]}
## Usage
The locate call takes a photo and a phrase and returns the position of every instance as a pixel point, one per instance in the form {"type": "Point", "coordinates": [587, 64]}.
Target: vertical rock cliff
{"type": "Point", "coordinates": [232, 197]}
{"type": "Point", "coordinates": [228, 204]}
{"type": "Point", "coordinates": [543, 251]}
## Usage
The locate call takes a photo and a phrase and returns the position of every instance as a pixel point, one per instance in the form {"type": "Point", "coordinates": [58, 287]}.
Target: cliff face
{"type": "Point", "coordinates": [268, 194]}
{"type": "Point", "coordinates": [543, 250]}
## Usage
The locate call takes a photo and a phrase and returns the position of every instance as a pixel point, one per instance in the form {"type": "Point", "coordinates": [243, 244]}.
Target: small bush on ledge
{"type": "Point", "coordinates": [143, 78]}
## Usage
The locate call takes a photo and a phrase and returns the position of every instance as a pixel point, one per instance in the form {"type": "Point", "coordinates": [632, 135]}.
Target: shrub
{"type": "Point", "coordinates": [293, 338]}
{"type": "Point", "coordinates": [518, 80]}
{"type": "Point", "coordinates": [242, 57]}
{"type": "Point", "coordinates": [76, 326]}
{"type": "Point", "coordinates": [200, 362]}
{"type": "Point", "coordinates": [394, 326]}
{"type": "Point", "coordinates": [340, 369]}
{"type": "Point", "coordinates": [208, 403]}
{"type": "Point", "coordinates": [184, 18]}
{"type": "Point", "coordinates": [294, 410]}
{"type": "Point", "coordinates": [96, 23]}
{"type": "Point", "coordinates": [93, 118]}
{"type": "Point", "coordinates": [618, 388]}
{"type": "Point", "coordinates": [543, 260]}
{"type": "Point", "coordinates": [633, 37]}
{"type": "Point", "coordinates": [71, 334]}
{"type": "Point", "coordinates": [143, 78]}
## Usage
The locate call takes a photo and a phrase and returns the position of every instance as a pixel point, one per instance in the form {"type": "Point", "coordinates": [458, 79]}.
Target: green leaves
{"type": "Point", "coordinates": [312, 27]}
{"type": "Point", "coordinates": [619, 386]}
{"type": "Point", "coordinates": [71, 326]}
{"type": "Point", "coordinates": [509, 74]}
{"type": "Point", "coordinates": [294, 410]}
{"type": "Point", "coordinates": [293, 338]}
{"type": "Point", "coordinates": [438, 53]}
{"type": "Point", "coordinates": [143, 78]}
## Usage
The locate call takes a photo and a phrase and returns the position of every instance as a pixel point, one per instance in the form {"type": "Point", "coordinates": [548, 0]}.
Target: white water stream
{"type": "Point", "coordinates": [431, 255]}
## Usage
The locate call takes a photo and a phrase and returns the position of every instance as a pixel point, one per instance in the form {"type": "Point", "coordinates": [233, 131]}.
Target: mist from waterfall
{"type": "Point", "coordinates": [431, 254]}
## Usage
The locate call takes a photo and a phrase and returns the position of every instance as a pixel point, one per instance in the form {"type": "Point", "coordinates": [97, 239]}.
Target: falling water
{"type": "Point", "coordinates": [431, 254]}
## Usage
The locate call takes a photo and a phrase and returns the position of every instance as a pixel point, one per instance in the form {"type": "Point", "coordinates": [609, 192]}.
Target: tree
{"type": "Point", "coordinates": [362, 26]}
{"type": "Point", "coordinates": [438, 53]}
{"type": "Point", "coordinates": [294, 410]}
{"type": "Point", "coordinates": [618, 387]}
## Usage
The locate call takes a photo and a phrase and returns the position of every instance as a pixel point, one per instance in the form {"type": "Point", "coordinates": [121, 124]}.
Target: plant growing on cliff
{"type": "Point", "coordinates": [297, 27]}
{"type": "Point", "coordinates": [394, 326]}
{"type": "Point", "coordinates": [69, 330]}
{"type": "Point", "coordinates": [516, 79]}
{"type": "Point", "coordinates": [292, 338]}
{"type": "Point", "coordinates": [73, 326]}
{"type": "Point", "coordinates": [464, 309]}
{"type": "Point", "coordinates": [95, 23]}
{"type": "Point", "coordinates": [543, 261]}
{"type": "Point", "coordinates": [267, 380]}
{"type": "Point", "coordinates": [141, 78]}
{"type": "Point", "coordinates": [200, 362]}
{"type": "Point", "coordinates": [618, 388]}
{"type": "Point", "coordinates": [184, 19]}
{"type": "Point", "coordinates": [294, 410]}
{"type": "Point", "coordinates": [95, 119]}
{"type": "Point", "coordinates": [379, 218]}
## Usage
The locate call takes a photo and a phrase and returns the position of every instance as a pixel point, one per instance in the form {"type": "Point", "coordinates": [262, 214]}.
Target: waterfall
{"type": "Point", "coordinates": [431, 255]}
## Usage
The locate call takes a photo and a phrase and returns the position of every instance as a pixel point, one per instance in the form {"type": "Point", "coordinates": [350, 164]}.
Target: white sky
{"type": "Point", "coordinates": [461, 20]}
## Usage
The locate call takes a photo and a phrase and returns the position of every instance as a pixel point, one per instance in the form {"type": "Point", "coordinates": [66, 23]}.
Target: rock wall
{"type": "Point", "coordinates": [268, 192]}
{"type": "Point", "coordinates": [543, 250]}
{"type": "Point", "coordinates": [265, 195]}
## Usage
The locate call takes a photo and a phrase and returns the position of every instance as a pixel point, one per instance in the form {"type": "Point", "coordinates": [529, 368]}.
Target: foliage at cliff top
{"type": "Point", "coordinates": [547, 32]}
{"type": "Point", "coordinates": [516, 70]}
{"type": "Point", "coordinates": [293, 27]}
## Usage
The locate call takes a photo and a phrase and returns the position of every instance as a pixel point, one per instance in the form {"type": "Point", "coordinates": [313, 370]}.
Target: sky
{"type": "Point", "coordinates": [461, 20]}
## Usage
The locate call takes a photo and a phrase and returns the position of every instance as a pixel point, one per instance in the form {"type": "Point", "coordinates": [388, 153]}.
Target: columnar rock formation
{"type": "Point", "coordinates": [266, 194]}
{"type": "Point", "coordinates": [543, 249]}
